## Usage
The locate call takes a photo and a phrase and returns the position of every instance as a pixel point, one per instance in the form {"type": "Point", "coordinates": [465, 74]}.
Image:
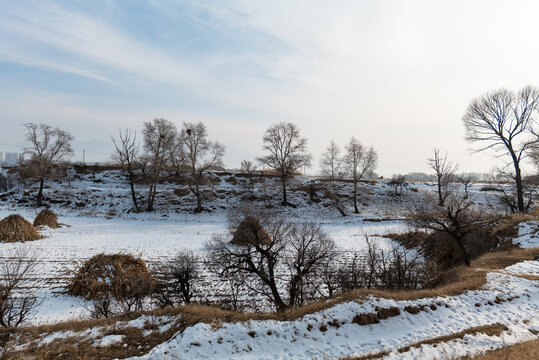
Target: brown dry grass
{"type": "Point", "coordinates": [46, 218]}
{"type": "Point", "coordinates": [15, 228]}
{"type": "Point", "coordinates": [528, 350]}
{"type": "Point", "coordinates": [489, 330]}
{"type": "Point", "coordinates": [107, 275]}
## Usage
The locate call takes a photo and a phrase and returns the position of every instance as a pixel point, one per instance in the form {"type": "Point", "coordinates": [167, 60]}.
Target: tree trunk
{"type": "Point", "coordinates": [285, 200]}
{"type": "Point", "coordinates": [151, 196]}
{"type": "Point", "coordinates": [520, 192]}
{"type": "Point", "coordinates": [356, 210]}
{"type": "Point", "coordinates": [440, 198]}
{"type": "Point", "coordinates": [465, 255]}
{"type": "Point", "coordinates": [133, 195]}
{"type": "Point", "coordinates": [40, 192]}
{"type": "Point", "coordinates": [199, 199]}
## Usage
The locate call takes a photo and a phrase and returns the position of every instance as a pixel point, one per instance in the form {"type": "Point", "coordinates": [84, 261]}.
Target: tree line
{"type": "Point", "coordinates": [501, 121]}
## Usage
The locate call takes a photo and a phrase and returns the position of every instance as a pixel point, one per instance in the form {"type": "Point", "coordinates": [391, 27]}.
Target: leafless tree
{"type": "Point", "coordinates": [398, 182]}
{"type": "Point", "coordinates": [201, 155]}
{"type": "Point", "coordinates": [287, 152]}
{"type": "Point", "coordinates": [456, 218]}
{"type": "Point", "coordinates": [126, 152]}
{"type": "Point", "coordinates": [250, 172]}
{"type": "Point", "coordinates": [331, 167]}
{"type": "Point", "coordinates": [177, 279]}
{"type": "Point", "coordinates": [159, 138]}
{"type": "Point", "coordinates": [359, 161]}
{"type": "Point", "coordinates": [309, 250]}
{"type": "Point", "coordinates": [16, 271]}
{"type": "Point", "coordinates": [504, 120]}
{"type": "Point", "coordinates": [301, 249]}
{"type": "Point", "coordinates": [467, 181]}
{"type": "Point", "coordinates": [46, 147]}
{"type": "Point", "coordinates": [445, 174]}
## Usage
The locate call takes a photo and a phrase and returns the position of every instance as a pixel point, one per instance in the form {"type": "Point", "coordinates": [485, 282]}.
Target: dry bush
{"type": "Point", "coordinates": [15, 228]}
{"type": "Point", "coordinates": [119, 276]}
{"type": "Point", "coordinates": [46, 218]}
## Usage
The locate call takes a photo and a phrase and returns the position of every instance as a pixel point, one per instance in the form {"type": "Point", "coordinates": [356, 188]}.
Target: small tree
{"type": "Point", "coordinates": [126, 152]}
{"type": "Point", "coordinates": [15, 274]}
{"type": "Point", "coordinates": [201, 155]}
{"type": "Point", "coordinates": [445, 173]}
{"type": "Point", "coordinates": [177, 279]}
{"type": "Point", "coordinates": [159, 139]}
{"type": "Point", "coordinates": [331, 164]}
{"type": "Point", "coordinates": [249, 170]}
{"type": "Point", "coordinates": [287, 152]}
{"type": "Point", "coordinates": [398, 182]}
{"type": "Point", "coordinates": [457, 218]}
{"type": "Point", "coordinates": [46, 147]}
{"type": "Point", "coordinates": [359, 161]}
{"type": "Point", "coordinates": [504, 121]}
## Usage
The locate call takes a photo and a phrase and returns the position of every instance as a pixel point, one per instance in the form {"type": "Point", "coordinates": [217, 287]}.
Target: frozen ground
{"type": "Point", "coordinates": [155, 240]}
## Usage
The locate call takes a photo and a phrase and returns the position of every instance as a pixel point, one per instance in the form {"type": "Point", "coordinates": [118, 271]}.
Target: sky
{"type": "Point", "coordinates": [397, 75]}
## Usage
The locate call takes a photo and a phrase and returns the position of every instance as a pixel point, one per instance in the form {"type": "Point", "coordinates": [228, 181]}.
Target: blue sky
{"type": "Point", "coordinates": [395, 74]}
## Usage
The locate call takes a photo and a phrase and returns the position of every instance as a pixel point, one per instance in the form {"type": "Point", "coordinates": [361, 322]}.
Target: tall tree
{"type": "Point", "coordinates": [287, 152]}
{"type": "Point", "coordinates": [504, 120]}
{"type": "Point", "coordinates": [159, 138]}
{"type": "Point", "coordinates": [201, 155]}
{"type": "Point", "coordinates": [331, 164]}
{"type": "Point", "coordinates": [126, 152]}
{"type": "Point", "coordinates": [359, 161]}
{"type": "Point", "coordinates": [445, 173]}
{"type": "Point", "coordinates": [46, 147]}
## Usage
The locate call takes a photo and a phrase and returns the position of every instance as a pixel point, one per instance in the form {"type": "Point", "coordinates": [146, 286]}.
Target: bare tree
{"type": "Point", "coordinates": [504, 121]}
{"type": "Point", "coordinates": [467, 181]}
{"type": "Point", "coordinates": [126, 152]}
{"type": "Point", "coordinates": [359, 161]}
{"type": "Point", "coordinates": [250, 172]}
{"type": "Point", "coordinates": [309, 250]}
{"type": "Point", "coordinates": [46, 147]}
{"type": "Point", "coordinates": [445, 173]}
{"type": "Point", "coordinates": [15, 273]}
{"type": "Point", "coordinates": [159, 138]}
{"type": "Point", "coordinates": [457, 218]}
{"type": "Point", "coordinates": [331, 167]}
{"type": "Point", "coordinates": [398, 182]}
{"type": "Point", "coordinates": [287, 152]}
{"type": "Point", "coordinates": [300, 249]}
{"type": "Point", "coordinates": [177, 279]}
{"type": "Point", "coordinates": [202, 155]}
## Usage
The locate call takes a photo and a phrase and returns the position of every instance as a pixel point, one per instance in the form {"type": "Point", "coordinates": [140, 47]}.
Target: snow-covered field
{"type": "Point", "coordinates": [95, 207]}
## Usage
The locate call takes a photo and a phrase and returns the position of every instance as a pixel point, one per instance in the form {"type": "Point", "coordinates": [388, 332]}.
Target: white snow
{"type": "Point", "coordinates": [295, 339]}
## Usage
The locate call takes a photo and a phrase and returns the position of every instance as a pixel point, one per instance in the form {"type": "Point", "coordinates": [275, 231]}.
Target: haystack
{"type": "Point", "coordinates": [109, 276]}
{"type": "Point", "coordinates": [15, 228]}
{"type": "Point", "coordinates": [47, 218]}
{"type": "Point", "coordinates": [250, 232]}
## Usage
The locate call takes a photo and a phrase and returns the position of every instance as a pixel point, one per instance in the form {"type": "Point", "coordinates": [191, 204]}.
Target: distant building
{"type": "Point", "coordinates": [11, 158]}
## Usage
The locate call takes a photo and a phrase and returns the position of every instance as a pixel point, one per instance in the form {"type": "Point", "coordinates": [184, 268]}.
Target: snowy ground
{"type": "Point", "coordinates": [305, 339]}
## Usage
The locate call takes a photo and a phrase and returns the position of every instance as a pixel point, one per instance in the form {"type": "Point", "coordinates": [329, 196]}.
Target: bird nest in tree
{"type": "Point", "coordinates": [250, 232]}
{"type": "Point", "coordinates": [110, 276]}
{"type": "Point", "coordinates": [47, 218]}
{"type": "Point", "coordinates": [15, 228]}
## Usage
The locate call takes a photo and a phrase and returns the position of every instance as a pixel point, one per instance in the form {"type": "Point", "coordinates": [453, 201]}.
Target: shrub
{"type": "Point", "coordinates": [119, 276]}
{"type": "Point", "coordinates": [15, 228]}
{"type": "Point", "coordinates": [46, 218]}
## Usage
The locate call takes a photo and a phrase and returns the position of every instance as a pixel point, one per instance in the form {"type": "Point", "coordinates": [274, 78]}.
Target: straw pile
{"type": "Point", "coordinates": [109, 276]}
{"type": "Point", "coordinates": [15, 228]}
{"type": "Point", "coordinates": [250, 232]}
{"type": "Point", "coordinates": [47, 218]}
